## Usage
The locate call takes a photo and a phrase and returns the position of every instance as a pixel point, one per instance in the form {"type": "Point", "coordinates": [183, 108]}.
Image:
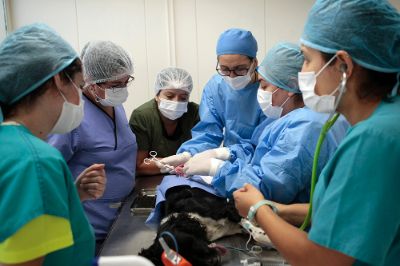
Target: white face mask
{"type": "Point", "coordinates": [264, 99]}
{"type": "Point", "coordinates": [71, 115]}
{"type": "Point", "coordinates": [240, 82]}
{"type": "Point", "coordinates": [171, 109]}
{"type": "Point", "coordinates": [113, 96]}
{"type": "Point", "coordinates": [323, 103]}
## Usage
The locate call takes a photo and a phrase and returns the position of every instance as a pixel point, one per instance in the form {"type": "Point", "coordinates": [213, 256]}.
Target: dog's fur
{"type": "Point", "coordinates": [188, 212]}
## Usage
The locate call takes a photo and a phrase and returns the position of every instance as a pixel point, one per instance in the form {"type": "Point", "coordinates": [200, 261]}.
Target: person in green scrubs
{"type": "Point", "coordinates": [42, 220]}
{"type": "Point", "coordinates": [165, 122]}
{"type": "Point", "coordinates": [352, 66]}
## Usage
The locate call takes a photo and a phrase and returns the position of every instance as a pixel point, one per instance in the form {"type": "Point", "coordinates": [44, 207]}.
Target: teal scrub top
{"type": "Point", "coordinates": [35, 181]}
{"type": "Point", "coordinates": [356, 199]}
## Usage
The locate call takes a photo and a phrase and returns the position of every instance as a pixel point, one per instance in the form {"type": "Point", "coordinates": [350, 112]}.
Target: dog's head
{"type": "Point", "coordinates": [191, 238]}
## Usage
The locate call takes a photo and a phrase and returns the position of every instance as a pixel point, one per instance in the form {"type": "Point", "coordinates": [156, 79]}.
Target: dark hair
{"type": "Point", "coordinates": [373, 85]}
{"type": "Point", "coordinates": [30, 99]}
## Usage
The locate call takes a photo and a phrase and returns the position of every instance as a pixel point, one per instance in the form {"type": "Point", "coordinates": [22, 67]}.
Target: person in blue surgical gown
{"type": "Point", "coordinates": [104, 138]}
{"type": "Point", "coordinates": [352, 66]}
{"type": "Point", "coordinates": [282, 160]}
{"type": "Point", "coordinates": [229, 112]}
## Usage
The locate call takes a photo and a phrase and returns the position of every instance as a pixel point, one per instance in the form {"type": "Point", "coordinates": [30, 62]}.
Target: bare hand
{"type": "Point", "coordinates": [91, 183]}
{"type": "Point", "coordinates": [246, 197]}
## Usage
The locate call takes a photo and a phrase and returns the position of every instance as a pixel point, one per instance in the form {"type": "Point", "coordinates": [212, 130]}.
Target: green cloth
{"type": "Point", "coordinates": [356, 199]}
{"type": "Point", "coordinates": [150, 134]}
{"type": "Point", "coordinates": [35, 180]}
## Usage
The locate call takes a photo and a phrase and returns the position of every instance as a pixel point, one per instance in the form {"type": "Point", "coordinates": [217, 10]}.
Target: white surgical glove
{"type": "Point", "coordinates": [165, 168]}
{"type": "Point", "coordinates": [200, 166]}
{"type": "Point", "coordinates": [168, 164]}
{"type": "Point", "coordinates": [222, 153]}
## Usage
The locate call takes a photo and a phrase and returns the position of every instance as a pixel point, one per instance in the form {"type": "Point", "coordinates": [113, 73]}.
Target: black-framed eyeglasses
{"type": "Point", "coordinates": [224, 71]}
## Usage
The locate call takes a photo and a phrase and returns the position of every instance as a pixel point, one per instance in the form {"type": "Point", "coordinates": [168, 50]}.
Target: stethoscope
{"type": "Point", "coordinates": [328, 124]}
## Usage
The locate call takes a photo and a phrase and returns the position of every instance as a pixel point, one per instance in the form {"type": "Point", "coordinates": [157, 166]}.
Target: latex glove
{"type": "Point", "coordinates": [91, 183]}
{"type": "Point", "coordinates": [222, 153]}
{"type": "Point", "coordinates": [200, 166]}
{"type": "Point", "coordinates": [175, 160]}
{"type": "Point", "coordinates": [165, 168]}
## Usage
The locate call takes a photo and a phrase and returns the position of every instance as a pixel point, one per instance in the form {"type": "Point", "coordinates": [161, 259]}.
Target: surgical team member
{"type": "Point", "coordinates": [104, 136]}
{"type": "Point", "coordinates": [42, 220]}
{"type": "Point", "coordinates": [282, 160]}
{"type": "Point", "coordinates": [356, 218]}
{"type": "Point", "coordinates": [229, 112]}
{"type": "Point", "coordinates": [164, 123]}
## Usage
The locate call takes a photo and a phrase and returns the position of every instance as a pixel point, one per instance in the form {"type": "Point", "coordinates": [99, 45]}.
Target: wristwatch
{"type": "Point", "coordinates": [253, 209]}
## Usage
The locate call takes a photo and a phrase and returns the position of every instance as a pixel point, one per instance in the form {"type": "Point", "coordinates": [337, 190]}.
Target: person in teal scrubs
{"type": "Point", "coordinates": [42, 220]}
{"type": "Point", "coordinates": [352, 66]}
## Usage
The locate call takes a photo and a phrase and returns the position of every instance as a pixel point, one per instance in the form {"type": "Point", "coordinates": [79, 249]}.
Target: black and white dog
{"type": "Point", "coordinates": [196, 218]}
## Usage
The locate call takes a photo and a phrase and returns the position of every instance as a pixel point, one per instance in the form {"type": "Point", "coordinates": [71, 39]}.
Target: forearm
{"type": "Point", "coordinates": [147, 169]}
{"type": "Point", "coordinates": [294, 214]}
{"type": "Point", "coordinates": [294, 244]}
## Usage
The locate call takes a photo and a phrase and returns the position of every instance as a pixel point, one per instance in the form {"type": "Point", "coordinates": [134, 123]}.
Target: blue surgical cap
{"type": "Point", "coordinates": [237, 41]}
{"type": "Point", "coordinates": [29, 57]}
{"type": "Point", "coordinates": [281, 66]}
{"type": "Point", "coordinates": [369, 30]}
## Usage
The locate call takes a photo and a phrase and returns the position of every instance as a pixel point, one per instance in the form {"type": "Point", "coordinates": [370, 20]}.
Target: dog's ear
{"type": "Point", "coordinates": [153, 253]}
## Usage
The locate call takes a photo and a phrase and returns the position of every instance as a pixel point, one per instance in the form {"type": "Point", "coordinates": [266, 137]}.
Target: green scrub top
{"type": "Point", "coordinates": [356, 199]}
{"type": "Point", "coordinates": [146, 123]}
{"type": "Point", "coordinates": [35, 182]}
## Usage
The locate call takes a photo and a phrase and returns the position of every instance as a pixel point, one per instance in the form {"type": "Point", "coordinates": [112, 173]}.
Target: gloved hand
{"type": "Point", "coordinates": [165, 168]}
{"type": "Point", "coordinates": [168, 164]}
{"type": "Point", "coordinates": [177, 159]}
{"type": "Point", "coordinates": [200, 166]}
{"type": "Point", "coordinates": [222, 153]}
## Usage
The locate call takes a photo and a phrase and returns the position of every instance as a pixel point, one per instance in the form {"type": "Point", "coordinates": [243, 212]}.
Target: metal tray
{"type": "Point", "coordinates": [144, 202]}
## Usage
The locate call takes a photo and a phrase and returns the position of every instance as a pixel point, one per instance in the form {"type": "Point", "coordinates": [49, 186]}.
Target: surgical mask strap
{"type": "Point", "coordinates": [285, 101]}
{"type": "Point", "coordinates": [326, 65]}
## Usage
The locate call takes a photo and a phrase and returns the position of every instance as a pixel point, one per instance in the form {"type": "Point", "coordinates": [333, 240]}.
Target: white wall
{"type": "Point", "coordinates": [162, 33]}
{"type": "Point", "coordinates": [3, 18]}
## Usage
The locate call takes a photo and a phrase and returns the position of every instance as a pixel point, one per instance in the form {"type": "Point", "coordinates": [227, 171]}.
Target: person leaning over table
{"type": "Point", "coordinates": [352, 66]}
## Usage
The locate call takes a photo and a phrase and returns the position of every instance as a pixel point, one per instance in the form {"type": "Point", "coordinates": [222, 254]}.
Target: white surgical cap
{"type": "Point", "coordinates": [105, 61]}
{"type": "Point", "coordinates": [173, 78]}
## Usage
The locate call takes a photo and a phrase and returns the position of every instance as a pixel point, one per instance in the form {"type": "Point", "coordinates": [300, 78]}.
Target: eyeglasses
{"type": "Point", "coordinates": [224, 71]}
{"type": "Point", "coordinates": [118, 86]}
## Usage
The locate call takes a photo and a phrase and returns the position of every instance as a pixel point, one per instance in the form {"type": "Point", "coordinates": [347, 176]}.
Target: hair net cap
{"type": "Point", "coordinates": [173, 78]}
{"type": "Point", "coordinates": [105, 61]}
{"type": "Point", "coordinates": [369, 30]}
{"type": "Point", "coordinates": [281, 66]}
{"type": "Point", "coordinates": [29, 57]}
{"type": "Point", "coordinates": [237, 41]}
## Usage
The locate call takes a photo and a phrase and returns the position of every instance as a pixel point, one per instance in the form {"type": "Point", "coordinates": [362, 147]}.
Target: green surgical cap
{"type": "Point", "coordinates": [281, 66]}
{"type": "Point", "coordinates": [369, 30]}
{"type": "Point", "coordinates": [29, 57]}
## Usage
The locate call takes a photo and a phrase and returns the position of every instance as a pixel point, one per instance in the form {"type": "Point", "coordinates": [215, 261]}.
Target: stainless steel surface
{"type": "Point", "coordinates": [129, 235]}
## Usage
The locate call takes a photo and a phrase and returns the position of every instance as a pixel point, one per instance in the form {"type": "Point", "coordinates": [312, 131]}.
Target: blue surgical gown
{"type": "Point", "coordinates": [282, 161]}
{"type": "Point", "coordinates": [226, 115]}
{"type": "Point", "coordinates": [100, 139]}
{"type": "Point", "coordinates": [356, 200]}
